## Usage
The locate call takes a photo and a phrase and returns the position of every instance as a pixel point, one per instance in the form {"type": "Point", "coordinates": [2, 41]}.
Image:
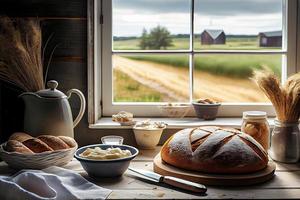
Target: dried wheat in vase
{"type": "Point", "coordinates": [285, 98]}
{"type": "Point", "coordinates": [285, 137]}
{"type": "Point", "coordinates": [21, 61]}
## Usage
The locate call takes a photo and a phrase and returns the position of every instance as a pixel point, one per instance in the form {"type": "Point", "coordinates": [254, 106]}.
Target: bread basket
{"type": "Point", "coordinates": [38, 160]}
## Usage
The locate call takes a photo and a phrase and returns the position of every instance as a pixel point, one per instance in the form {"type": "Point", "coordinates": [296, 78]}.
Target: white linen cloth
{"type": "Point", "coordinates": [51, 183]}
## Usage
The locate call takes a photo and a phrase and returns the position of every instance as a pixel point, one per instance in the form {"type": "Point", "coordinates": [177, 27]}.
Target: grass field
{"type": "Point", "coordinates": [183, 44]}
{"type": "Point", "coordinates": [172, 83]}
{"type": "Point", "coordinates": [237, 66]}
{"type": "Point", "coordinates": [127, 89]}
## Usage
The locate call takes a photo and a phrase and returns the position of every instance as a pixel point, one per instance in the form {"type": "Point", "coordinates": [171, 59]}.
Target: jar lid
{"type": "Point", "coordinates": [51, 92]}
{"type": "Point", "coordinates": [254, 115]}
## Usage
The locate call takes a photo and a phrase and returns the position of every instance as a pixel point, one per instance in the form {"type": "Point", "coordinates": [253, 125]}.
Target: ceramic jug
{"type": "Point", "coordinates": [48, 111]}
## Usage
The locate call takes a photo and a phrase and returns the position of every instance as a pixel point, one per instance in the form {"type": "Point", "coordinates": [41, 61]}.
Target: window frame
{"type": "Point", "coordinates": [100, 69]}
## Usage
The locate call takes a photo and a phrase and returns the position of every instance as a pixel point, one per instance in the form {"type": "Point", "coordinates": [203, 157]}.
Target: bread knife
{"type": "Point", "coordinates": [170, 180]}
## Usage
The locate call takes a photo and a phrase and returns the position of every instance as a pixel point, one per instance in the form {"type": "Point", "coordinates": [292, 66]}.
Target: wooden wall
{"type": "Point", "coordinates": [66, 23]}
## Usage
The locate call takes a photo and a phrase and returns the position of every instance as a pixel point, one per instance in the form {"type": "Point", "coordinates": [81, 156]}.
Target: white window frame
{"type": "Point", "coordinates": [100, 69]}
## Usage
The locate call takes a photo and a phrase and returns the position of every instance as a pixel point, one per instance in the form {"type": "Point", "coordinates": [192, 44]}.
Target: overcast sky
{"type": "Point", "coordinates": [233, 16]}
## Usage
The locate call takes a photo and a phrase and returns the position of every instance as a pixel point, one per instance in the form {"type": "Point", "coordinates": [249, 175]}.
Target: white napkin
{"type": "Point", "coordinates": [51, 183]}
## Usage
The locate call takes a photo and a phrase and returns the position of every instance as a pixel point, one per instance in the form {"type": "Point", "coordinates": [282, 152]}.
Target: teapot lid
{"type": "Point", "coordinates": [51, 92]}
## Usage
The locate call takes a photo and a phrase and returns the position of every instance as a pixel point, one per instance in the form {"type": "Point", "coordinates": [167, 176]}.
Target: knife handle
{"type": "Point", "coordinates": [184, 184]}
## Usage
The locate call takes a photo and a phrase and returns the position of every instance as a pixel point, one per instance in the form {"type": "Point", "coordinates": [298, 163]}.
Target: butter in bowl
{"type": "Point", "coordinates": [147, 134]}
{"type": "Point", "coordinates": [105, 160]}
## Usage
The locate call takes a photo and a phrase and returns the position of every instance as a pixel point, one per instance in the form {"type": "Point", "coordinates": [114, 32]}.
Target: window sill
{"type": "Point", "coordinates": [174, 123]}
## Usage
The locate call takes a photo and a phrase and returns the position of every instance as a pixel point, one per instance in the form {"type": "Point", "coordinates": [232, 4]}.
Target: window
{"type": "Point", "coordinates": [153, 52]}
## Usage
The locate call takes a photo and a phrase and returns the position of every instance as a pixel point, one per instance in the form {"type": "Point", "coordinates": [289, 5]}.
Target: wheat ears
{"type": "Point", "coordinates": [285, 98]}
{"type": "Point", "coordinates": [21, 61]}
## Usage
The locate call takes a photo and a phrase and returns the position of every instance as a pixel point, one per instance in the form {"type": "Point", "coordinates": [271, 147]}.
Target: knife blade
{"type": "Point", "coordinates": [170, 180]}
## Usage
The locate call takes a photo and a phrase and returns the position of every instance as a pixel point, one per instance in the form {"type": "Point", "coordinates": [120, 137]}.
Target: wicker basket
{"type": "Point", "coordinates": [37, 161]}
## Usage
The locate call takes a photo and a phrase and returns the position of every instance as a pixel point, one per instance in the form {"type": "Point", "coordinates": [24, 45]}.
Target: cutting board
{"type": "Point", "coordinates": [165, 169]}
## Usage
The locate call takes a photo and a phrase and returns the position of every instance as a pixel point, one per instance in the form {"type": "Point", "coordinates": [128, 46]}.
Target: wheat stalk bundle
{"type": "Point", "coordinates": [285, 98]}
{"type": "Point", "coordinates": [21, 53]}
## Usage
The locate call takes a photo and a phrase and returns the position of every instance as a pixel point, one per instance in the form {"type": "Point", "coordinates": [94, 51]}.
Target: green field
{"type": "Point", "coordinates": [128, 90]}
{"type": "Point", "coordinates": [237, 66]}
{"type": "Point", "coordinates": [235, 43]}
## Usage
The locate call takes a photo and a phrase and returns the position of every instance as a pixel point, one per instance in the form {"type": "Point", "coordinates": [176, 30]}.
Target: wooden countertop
{"type": "Point", "coordinates": [285, 184]}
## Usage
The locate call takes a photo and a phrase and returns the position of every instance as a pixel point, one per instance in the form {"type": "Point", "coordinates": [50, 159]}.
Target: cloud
{"type": "Point", "coordinates": [206, 7]}
{"type": "Point", "coordinates": [237, 7]}
{"type": "Point", "coordinates": [233, 16]}
{"type": "Point", "coordinates": [154, 6]}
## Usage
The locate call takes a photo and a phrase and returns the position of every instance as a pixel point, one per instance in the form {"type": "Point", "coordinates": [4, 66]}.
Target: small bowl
{"type": "Point", "coordinates": [106, 168]}
{"type": "Point", "coordinates": [206, 111]}
{"type": "Point", "coordinates": [174, 111]}
{"type": "Point", "coordinates": [147, 138]}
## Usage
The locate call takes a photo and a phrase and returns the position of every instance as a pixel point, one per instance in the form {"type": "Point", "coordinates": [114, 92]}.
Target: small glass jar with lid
{"type": "Point", "coordinates": [256, 125]}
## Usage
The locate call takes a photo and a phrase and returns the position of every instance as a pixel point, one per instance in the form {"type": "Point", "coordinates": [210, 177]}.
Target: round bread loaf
{"type": "Point", "coordinates": [213, 149]}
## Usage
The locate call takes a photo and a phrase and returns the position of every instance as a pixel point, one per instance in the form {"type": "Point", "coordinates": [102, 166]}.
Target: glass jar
{"type": "Point", "coordinates": [256, 125]}
{"type": "Point", "coordinates": [285, 144]}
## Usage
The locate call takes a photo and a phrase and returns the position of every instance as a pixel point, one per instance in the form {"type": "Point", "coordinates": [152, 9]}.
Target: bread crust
{"type": "Point", "coordinates": [16, 146]}
{"type": "Point", "coordinates": [54, 142]}
{"type": "Point", "coordinates": [69, 141]}
{"type": "Point", "coordinates": [20, 136]}
{"type": "Point", "coordinates": [36, 145]}
{"type": "Point", "coordinates": [213, 149]}
{"type": "Point", "coordinates": [24, 143]}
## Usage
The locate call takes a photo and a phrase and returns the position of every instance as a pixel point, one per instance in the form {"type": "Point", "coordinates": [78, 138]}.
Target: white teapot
{"type": "Point", "coordinates": [48, 111]}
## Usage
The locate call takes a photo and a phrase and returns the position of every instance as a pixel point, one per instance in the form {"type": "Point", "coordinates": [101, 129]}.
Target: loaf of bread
{"type": "Point", "coordinates": [19, 136]}
{"type": "Point", "coordinates": [24, 143]}
{"type": "Point", "coordinates": [69, 141]}
{"type": "Point", "coordinates": [53, 142]}
{"type": "Point", "coordinates": [16, 146]}
{"type": "Point", "coordinates": [212, 149]}
{"type": "Point", "coordinates": [36, 145]}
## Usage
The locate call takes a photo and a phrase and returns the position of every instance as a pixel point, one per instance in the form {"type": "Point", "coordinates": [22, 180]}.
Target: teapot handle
{"type": "Point", "coordinates": [82, 105]}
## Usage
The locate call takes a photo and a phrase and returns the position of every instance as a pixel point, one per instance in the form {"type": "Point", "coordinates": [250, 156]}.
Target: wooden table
{"type": "Point", "coordinates": [285, 184]}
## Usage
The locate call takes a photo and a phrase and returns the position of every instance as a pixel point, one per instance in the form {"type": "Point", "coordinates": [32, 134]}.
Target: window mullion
{"type": "Point", "coordinates": [191, 57]}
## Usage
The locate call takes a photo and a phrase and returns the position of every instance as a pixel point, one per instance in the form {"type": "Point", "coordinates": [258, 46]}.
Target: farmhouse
{"type": "Point", "coordinates": [209, 37]}
{"type": "Point", "coordinates": [270, 39]}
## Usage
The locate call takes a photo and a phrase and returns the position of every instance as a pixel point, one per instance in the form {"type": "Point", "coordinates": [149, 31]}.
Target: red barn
{"type": "Point", "coordinates": [270, 39]}
{"type": "Point", "coordinates": [209, 37]}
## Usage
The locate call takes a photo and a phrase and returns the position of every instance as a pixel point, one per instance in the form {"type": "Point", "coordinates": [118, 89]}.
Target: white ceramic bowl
{"type": "Point", "coordinates": [106, 168]}
{"type": "Point", "coordinates": [147, 138]}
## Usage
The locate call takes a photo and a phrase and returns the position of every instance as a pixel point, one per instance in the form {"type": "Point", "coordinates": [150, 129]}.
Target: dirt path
{"type": "Point", "coordinates": [174, 82]}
